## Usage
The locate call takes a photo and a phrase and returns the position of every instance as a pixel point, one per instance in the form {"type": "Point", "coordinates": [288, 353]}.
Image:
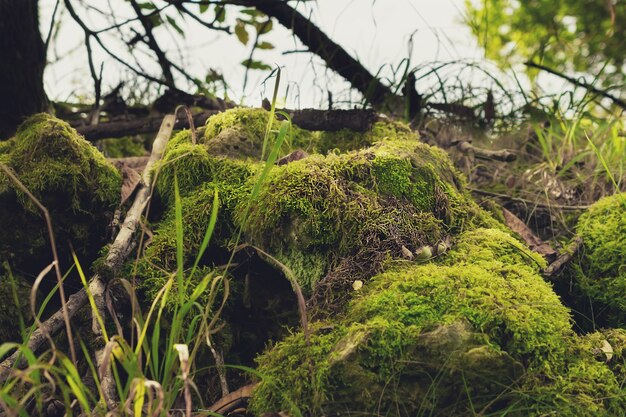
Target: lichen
{"type": "Point", "coordinates": [600, 273]}
{"type": "Point", "coordinates": [72, 180]}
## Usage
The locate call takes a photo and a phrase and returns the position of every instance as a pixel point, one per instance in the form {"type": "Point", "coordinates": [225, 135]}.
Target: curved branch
{"type": "Point", "coordinates": [583, 84]}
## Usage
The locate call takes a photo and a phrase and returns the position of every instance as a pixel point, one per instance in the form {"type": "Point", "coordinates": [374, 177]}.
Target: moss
{"type": "Point", "coordinates": [240, 132]}
{"type": "Point", "coordinates": [14, 298]}
{"type": "Point", "coordinates": [591, 382]}
{"type": "Point", "coordinates": [493, 246]}
{"type": "Point", "coordinates": [346, 140]}
{"type": "Point", "coordinates": [415, 334]}
{"type": "Point", "coordinates": [601, 271]}
{"type": "Point", "coordinates": [72, 180]}
{"type": "Point", "coordinates": [123, 147]}
{"type": "Point", "coordinates": [193, 166]}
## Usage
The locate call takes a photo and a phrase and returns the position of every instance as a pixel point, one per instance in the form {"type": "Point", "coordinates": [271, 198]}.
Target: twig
{"type": "Point", "coordinates": [564, 258]}
{"type": "Point", "coordinates": [164, 63]}
{"type": "Point", "coordinates": [583, 84]}
{"type": "Point", "coordinates": [500, 155]}
{"type": "Point", "coordinates": [119, 249]}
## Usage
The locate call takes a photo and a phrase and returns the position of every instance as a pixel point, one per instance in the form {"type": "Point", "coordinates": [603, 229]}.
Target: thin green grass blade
{"type": "Point", "coordinates": [271, 115]}
{"type": "Point", "coordinates": [209, 231]}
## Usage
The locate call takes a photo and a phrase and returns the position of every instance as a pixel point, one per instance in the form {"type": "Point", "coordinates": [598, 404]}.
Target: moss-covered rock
{"type": "Point", "coordinates": [76, 184]}
{"type": "Point", "coordinates": [240, 133]}
{"type": "Point", "coordinates": [435, 339]}
{"type": "Point", "coordinates": [601, 271]}
{"type": "Point", "coordinates": [320, 211]}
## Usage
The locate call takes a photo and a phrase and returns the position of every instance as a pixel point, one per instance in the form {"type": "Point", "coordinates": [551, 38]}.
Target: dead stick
{"type": "Point", "coordinates": [564, 258]}
{"type": "Point", "coordinates": [120, 249]}
{"type": "Point", "coordinates": [500, 155]}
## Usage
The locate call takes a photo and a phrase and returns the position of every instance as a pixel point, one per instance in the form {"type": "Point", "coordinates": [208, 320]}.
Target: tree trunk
{"type": "Point", "coordinates": [22, 61]}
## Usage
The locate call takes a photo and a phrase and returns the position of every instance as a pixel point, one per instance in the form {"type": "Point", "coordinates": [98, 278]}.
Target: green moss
{"type": "Point", "coordinates": [493, 246]}
{"type": "Point", "coordinates": [14, 298]}
{"type": "Point", "coordinates": [346, 140]}
{"type": "Point", "coordinates": [408, 342]}
{"type": "Point", "coordinates": [72, 180]}
{"type": "Point", "coordinates": [589, 385]}
{"type": "Point", "coordinates": [601, 272]}
{"type": "Point", "coordinates": [240, 132]}
{"type": "Point", "coordinates": [123, 147]}
{"type": "Point", "coordinates": [193, 166]}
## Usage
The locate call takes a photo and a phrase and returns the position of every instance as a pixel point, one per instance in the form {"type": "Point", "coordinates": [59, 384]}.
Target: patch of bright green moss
{"type": "Point", "coordinates": [601, 271]}
{"type": "Point", "coordinates": [72, 180]}
{"type": "Point", "coordinates": [240, 133]}
{"type": "Point", "coordinates": [123, 147]}
{"type": "Point", "coordinates": [417, 338]}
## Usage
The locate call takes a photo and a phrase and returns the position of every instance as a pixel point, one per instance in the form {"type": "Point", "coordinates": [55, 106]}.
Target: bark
{"type": "Point", "coordinates": [22, 61]}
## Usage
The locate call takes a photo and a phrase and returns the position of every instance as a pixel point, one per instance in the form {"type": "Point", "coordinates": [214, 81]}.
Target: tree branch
{"type": "Point", "coordinates": [319, 43]}
{"type": "Point", "coordinates": [583, 84]}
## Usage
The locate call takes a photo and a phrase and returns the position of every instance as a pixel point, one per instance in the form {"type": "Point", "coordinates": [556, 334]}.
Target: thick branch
{"type": "Point", "coordinates": [319, 43]}
{"type": "Point", "coordinates": [164, 63]}
{"type": "Point", "coordinates": [311, 119]}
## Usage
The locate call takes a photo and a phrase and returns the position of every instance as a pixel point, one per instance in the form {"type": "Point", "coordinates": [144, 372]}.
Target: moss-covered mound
{"type": "Point", "coordinates": [601, 271]}
{"type": "Point", "coordinates": [321, 216]}
{"type": "Point", "coordinates": [346, 140]}
{"type": "Point", "coordinates": [480, 333]}
{"type": "Point", "coordinates": [241, 133]}
{"type": "Point", "coordinates": [76, 184]}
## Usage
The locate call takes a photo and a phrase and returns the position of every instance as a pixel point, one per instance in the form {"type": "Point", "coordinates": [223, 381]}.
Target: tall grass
{"type": "Point", "coordinates": [154, 366]}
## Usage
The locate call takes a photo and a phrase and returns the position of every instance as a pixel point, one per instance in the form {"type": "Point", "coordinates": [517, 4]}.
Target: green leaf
{"type": "Point", "coordinates": [241, 32]}
{"type": "Point", "coordinates": [264, 27]}
{"type": "Point", "coordinates": [147, 6]}
{"type": "Point", "coordinates": [220, 13]}
{"type": "Point", "coordinates": [265, 45]}
{"type": "Point", "coordinates": [252, 12]}
{"type": "Point", "coordinates": [203, 7]}
{"type": "Point", "coordinates": [155, 18]}
{"type": "Point", "coordinates": [173, 24]}
{"type": "Point", "coordinates": [254, 64]}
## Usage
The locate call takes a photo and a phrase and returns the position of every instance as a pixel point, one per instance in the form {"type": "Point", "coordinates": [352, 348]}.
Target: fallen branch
{"type": "Point", "coordinates": [500, 155]}
{"type": "Point", "coordinates": [311, 119]}
{"type": "Point", "coordinates": [564, 258]}
{"type": "Point", "coordinates": [233, 401]}
{"type": "Point", "coordinates": [120, 248]}
{"type": "Point", "coordinates": [143, 125]}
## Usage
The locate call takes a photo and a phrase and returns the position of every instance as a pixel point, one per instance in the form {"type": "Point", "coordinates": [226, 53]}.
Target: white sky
{"type": "Point", "coordinates": [377, 32]}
